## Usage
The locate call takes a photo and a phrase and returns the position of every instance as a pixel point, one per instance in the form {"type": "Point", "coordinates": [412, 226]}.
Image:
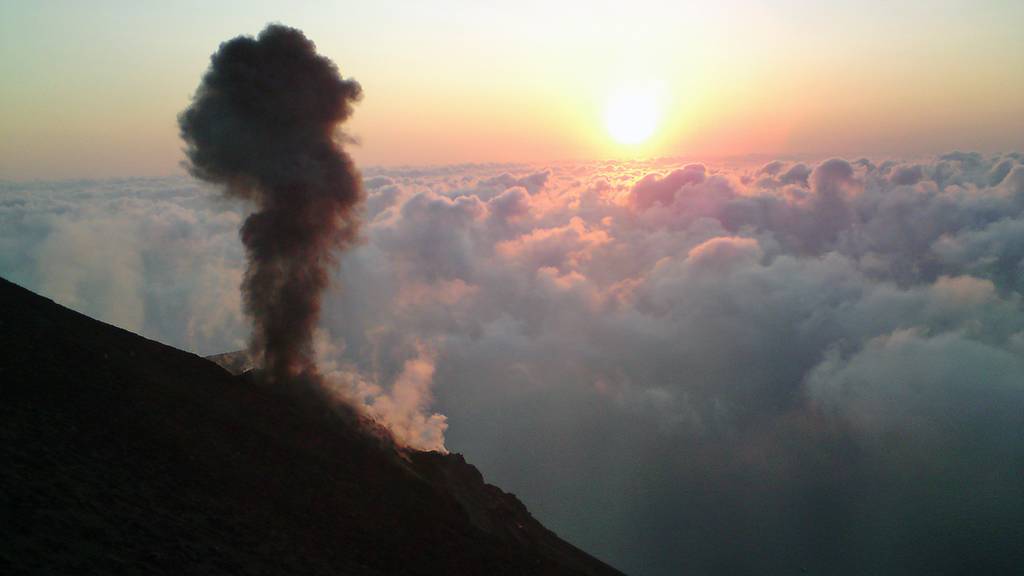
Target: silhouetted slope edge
{"type": "Point", "coordinates": [124, 455]}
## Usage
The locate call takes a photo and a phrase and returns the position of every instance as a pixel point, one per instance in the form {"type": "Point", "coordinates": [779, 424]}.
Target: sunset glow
{"type": "Point", "coordinates": [457, 82]}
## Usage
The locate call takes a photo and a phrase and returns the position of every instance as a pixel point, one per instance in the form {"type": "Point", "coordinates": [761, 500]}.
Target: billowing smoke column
{"type": "Point", "coordinates": [263, 124]}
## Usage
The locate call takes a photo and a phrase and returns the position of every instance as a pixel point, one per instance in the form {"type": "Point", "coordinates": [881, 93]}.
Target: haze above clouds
{"type": "Point", "coordinates": [93, 89]}
{"type": "Point", "coordinates": [743, 367]}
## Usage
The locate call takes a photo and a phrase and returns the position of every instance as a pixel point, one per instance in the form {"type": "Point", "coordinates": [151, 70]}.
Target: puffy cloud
{"type": "Point", "coordinates": [829, 177]}
{"type": "Point", "coordinates": [653, 189]}
{"type": "Point", "coordinates": [771, 168]}
{"type": "Point", "coordinates": [907, 175]}
{"type": "Point", "coordinates": [944, 390]}
{"type": "Point", "coordinates": [531, 182]}
{"type": "Point", "coordinates": [724, 252]}
{"type": "Point", "coordinates": [511, 204]}
{"type": "Point", "coordinates": [796, 174]}
{"type": "Point", "coordinates": [560, 247]}
{"type": "Point", "coordinates": [683, 368]}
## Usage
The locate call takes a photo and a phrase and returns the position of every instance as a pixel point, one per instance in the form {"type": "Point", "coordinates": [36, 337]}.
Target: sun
{"type": "Point", "coordinates": [632, 114]}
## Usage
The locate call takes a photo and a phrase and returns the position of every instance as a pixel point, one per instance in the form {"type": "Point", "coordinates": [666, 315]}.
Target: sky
{"type": "Point", "coordinates": [713, 288]}
{"type": "Point", "coordinates": [93, 89]}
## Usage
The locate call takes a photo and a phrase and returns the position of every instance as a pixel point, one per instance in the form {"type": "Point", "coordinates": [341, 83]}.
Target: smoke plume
{"type": "Point", "coordinates": [263, 124]}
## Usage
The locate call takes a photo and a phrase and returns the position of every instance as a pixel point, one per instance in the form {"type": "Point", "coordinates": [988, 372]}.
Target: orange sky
{"type": "Point", "coordinates": [93, 90]}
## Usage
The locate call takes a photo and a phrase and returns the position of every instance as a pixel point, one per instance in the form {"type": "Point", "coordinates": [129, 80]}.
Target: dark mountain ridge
{"type": "Point", "coordinates": [124, 455]}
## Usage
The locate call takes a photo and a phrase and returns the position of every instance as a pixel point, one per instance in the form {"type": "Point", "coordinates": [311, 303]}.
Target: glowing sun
{"type": "Point", "coordinates": [632, 114]}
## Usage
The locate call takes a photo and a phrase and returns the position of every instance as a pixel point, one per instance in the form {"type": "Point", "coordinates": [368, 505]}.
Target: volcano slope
{"type": "Point", "coordinates": [124, 455]}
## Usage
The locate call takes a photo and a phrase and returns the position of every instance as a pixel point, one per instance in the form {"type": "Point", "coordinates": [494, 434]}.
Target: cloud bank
{"type": "Point", "coordinates": [683, 368]}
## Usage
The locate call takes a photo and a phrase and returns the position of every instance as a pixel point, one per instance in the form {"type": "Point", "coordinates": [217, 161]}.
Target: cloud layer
{"type": "Point", "coordinates": [680, 367]}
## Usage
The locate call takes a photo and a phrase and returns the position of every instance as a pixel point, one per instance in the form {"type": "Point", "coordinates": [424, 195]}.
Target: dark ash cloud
{"type": "Point", "coordinates": [263, 125]}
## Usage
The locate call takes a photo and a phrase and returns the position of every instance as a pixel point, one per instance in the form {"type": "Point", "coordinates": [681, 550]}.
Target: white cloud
{"type": "Point", "coordinates": [679, 367]}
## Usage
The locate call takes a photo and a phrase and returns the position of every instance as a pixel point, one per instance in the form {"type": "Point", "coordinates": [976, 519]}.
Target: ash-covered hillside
{"type": "Point", "coordinates": [123, 455]}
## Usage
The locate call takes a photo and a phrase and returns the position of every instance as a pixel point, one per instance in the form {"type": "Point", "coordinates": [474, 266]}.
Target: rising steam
{"type": "Point", "coordinates": [263, 124]}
